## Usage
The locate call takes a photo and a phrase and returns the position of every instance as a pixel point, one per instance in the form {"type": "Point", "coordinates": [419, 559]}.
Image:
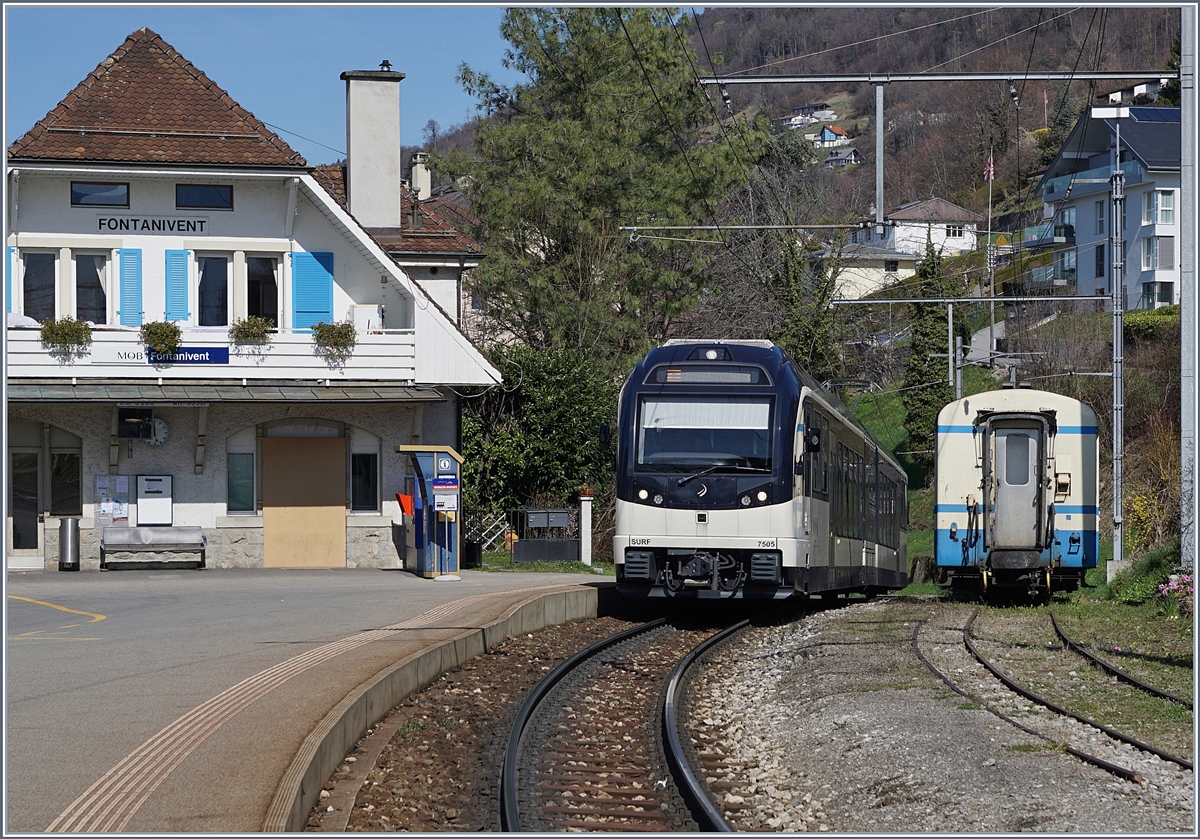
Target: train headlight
{"type": "Point", "coordinates": [643, 494]}
{"type": "Point", "coordinates": [658, 498]}
{"type": "Point", "coordinates": [761, 496]}
{"type": "Point", "coordinates": [745, 499]}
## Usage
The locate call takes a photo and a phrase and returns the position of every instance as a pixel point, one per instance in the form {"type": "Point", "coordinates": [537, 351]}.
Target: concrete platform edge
{"type": "Point", "coordinates": [336, 735]}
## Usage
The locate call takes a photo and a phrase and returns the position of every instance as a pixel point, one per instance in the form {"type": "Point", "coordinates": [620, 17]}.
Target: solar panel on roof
{"type": "Point", "coordinates": [1155, 114]}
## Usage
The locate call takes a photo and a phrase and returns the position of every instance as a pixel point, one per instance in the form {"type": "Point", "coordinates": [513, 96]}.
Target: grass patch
{"type": "Point", "coordinates": [502, 561]}
{"type": "Point", "coordinates": [1035, 747]}
{"type": "Point", "coordinates": [921, 588]}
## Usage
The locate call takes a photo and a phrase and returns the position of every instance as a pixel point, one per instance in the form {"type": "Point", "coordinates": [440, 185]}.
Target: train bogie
{"type": "Point", "coordinates": [1017, 492]}
{"type": "Point", "coordinates": [739, 477]}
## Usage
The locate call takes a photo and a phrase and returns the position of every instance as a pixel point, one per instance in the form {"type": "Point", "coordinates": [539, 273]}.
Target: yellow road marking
{"type": "Point", "coordinates": [94, 617]}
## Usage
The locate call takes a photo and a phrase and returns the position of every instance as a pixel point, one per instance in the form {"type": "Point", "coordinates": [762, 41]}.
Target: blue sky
{"type": "Point", "coordinates": [280, 62]}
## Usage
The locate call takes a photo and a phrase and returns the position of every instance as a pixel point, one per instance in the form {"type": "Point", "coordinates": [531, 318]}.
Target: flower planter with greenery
{"type": "Point", "coordinates": [252, 330]}
{"type": "Point", "coordinates": [161, 336]}
{"type": "Point", "coordinates": [66, 336]}
{"type": "Point", "coordinates": [335, 341]}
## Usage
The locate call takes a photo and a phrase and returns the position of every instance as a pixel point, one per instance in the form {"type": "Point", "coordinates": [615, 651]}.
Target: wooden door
{"type": "Point", "coordinates": [304, 502]}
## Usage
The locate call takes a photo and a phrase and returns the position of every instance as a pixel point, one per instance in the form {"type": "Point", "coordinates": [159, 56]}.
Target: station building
{"type": "Point", "coordinates": [149, 195]}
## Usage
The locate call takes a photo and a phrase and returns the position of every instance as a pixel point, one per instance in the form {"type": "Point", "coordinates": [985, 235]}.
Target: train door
{"type": "Point", "coordinates": [1016, 483]}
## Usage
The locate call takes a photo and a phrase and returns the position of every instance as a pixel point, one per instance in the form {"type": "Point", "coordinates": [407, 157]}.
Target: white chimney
{"type": "Point", "coordinates": [422, 179]}
{"type": "Point", "coordinates": [373, 145]}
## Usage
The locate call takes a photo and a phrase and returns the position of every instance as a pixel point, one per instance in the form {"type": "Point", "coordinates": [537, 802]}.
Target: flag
{"type": "Point", "coordinates": [989, 170]}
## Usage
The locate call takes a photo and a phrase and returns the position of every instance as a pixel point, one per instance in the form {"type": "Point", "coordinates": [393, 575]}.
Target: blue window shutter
{"type": "Point", "coordinates": [177, 285]}
{"type": "Point", "coordinates": [312, 289]}
{"type": "Point", "coordinates": [8, 275]}
{"type": "Point", "coordinates": [131, 287]}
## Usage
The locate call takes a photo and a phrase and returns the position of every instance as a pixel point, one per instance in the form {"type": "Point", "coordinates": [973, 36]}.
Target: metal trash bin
{"type": "Point", "coordinates": [473, 556]}
{"type": "Point", "coordinates": [68, 544]}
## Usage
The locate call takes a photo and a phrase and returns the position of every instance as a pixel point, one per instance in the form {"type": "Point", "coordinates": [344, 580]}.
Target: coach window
{"type": "Point", "coordinates": [213, 290]}
{"type": "Point", "coordinates": [203, 197]}
{"type": "Point", "coordinates": [91, 287]}
{"type": "Point", "coordinates": [99, 194]}
{"type": "Point", "coordinates": [262, 288]}
{"type": "Point", "coordinates": [38, 280]}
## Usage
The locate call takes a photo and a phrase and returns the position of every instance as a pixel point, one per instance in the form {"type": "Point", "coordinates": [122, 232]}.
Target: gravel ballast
{"type": "Point", "coordinates": [828, 723]}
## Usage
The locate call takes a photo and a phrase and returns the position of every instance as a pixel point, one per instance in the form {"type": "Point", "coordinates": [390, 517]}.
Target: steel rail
{"type": "Point", "coordinates": [510, 817]}
{"type": "Point", "coordinates": [706, 815]}
{"type": "Point", "coordinates": [1120, 674]}
{"type": "Point", "coordinates": [1058, 709]}
{"type": "Point", "coordinates": [1120, 771]}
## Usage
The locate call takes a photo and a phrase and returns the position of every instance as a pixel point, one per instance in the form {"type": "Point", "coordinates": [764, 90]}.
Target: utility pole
{"type": "Point", "coordinates": [1187, 285]}
{"type": "Point", "coordinates": [1118, 303]}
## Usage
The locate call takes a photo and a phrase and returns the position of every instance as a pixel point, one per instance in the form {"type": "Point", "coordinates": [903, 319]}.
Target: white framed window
{"type": "Point", "coordinates": [1101, 227]}
{"type": "Point", "coordinates": [240, 462]}
{"type": "Point", "coordinates": [1100, 260]}
{"type": "Point", "coordinates": [365, 475]}
{"type": "Point", "coordinates": [39, 284]}
{"type": "Point", "coordinates": [1158, 207]}
{"type": "Point", "coordinates": [92, 286]}
{"type": "Point", "coordinates": [1158, 253]}
{"type": "Point", "coordinates": [954, 231]}
{"type": "Point", "coordinates": [213, 279]}
{"type": "Point", "coordinates": [262, 287]}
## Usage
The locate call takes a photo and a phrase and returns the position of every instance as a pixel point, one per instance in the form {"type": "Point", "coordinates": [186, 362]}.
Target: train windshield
{"type": "Point", "coordinates": [686, 433]}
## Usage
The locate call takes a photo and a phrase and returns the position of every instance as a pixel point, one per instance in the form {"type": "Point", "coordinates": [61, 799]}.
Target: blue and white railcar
{"type": "Point", "coordinates": [1017, 491]}
{"type": "Point", "coordinates": [739, 476]}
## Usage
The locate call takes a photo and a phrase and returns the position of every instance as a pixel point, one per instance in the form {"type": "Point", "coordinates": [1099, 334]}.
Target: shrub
{"type": "Point", "coordinates": [1139, 583]}
{"type": "Point", "coordinates": [161, 336]}
{"type": "Point", "coordinates": [252, 330]}
{"type": "Point", "coordinates": [335, 341]}
{"type": "Point", "coordinates": [67, 335]}
{"type": "Point", "coordinates": [1149, 323]}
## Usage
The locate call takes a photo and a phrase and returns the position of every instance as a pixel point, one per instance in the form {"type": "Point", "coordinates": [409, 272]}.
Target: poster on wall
{"type": "Point", "coordinates": [112, 500]}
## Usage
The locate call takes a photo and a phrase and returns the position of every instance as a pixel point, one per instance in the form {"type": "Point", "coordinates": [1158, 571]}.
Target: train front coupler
{"type": "Point", "coordinates": [707, 573]}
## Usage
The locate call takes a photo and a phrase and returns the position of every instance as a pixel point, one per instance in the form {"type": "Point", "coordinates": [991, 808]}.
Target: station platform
{"type": "Point", "coordinates": [253, 756]}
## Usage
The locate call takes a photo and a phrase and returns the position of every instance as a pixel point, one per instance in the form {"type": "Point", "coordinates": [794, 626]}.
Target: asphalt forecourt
{"type": "Point", "coordinates": [158, 701]}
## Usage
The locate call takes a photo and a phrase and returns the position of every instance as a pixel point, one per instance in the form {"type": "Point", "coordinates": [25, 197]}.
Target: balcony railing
{"type": "Point", "coordinates": [1055, 188]}
{"type": "Point", "coordinates": [1051, 276]}
{"type": "Point", "coordinates": [115, 352]}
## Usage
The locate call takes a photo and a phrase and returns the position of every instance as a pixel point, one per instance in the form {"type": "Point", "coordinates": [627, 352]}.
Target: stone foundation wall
{"type": "Point", "coordinates": [235, 547]}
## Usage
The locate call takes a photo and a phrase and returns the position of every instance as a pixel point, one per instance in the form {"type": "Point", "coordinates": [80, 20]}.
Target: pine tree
{"type": "Point", "coordinates": [926, 388]}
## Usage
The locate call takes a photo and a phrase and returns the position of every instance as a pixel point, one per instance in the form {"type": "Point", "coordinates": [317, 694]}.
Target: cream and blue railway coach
{"type": "Point", "coordinates": [738, 476]}
{"type": "Point", "coordinates": [1017, 491]}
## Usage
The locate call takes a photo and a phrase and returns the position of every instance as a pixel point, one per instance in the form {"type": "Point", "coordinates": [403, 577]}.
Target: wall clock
{"type": "Point", "coordinates": [158, 432]}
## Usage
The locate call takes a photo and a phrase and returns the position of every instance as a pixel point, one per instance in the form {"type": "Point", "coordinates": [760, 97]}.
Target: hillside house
{"type": "Point", "coordinates": [951, 229]}
{"type": "Point", "coordinates": [840, 158]}
{"type": "Point", "coordinates": [865, 270]}
{"type": "Point", "coordinates": [1077, 205]}
{"type": "Point", "coordinates": [126, 208]}
{"type": "Point", "coordinates": [828, 137]}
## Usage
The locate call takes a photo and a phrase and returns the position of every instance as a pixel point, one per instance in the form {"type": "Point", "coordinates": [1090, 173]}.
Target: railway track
{"type": "Point", "coordinates": [1082, 650]}
{"type": "Point", "coordinates": [596, 745]}
{"type": "Point", "coordinates": [1012, 668]}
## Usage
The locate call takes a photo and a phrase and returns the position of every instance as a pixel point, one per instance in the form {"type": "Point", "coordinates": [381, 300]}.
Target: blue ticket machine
{"type": "Point", "coordinates": [436, 513]}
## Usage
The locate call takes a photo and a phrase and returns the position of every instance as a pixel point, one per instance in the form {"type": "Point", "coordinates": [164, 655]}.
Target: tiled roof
{"type": "Point", "coordinates": [146, 103]}
{"type": "Point", "coordinates": [933, 209]}
{"type": "Point", "coordinates": [436, 235]}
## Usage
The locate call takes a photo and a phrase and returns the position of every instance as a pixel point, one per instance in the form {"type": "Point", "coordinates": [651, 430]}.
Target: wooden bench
{"type": "Point", "coordinates": [151, 539]}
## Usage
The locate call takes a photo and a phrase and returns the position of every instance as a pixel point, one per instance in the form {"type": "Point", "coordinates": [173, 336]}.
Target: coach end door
{"type": "Point", "coordinates": [1016, 482]}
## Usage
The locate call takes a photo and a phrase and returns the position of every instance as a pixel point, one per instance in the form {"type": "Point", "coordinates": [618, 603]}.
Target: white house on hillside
{"type": "Point", "coordinates": [951, 229]}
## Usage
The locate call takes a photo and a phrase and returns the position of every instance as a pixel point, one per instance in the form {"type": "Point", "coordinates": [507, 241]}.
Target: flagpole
{"type": "Point", "coordinates": [990, 255]}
